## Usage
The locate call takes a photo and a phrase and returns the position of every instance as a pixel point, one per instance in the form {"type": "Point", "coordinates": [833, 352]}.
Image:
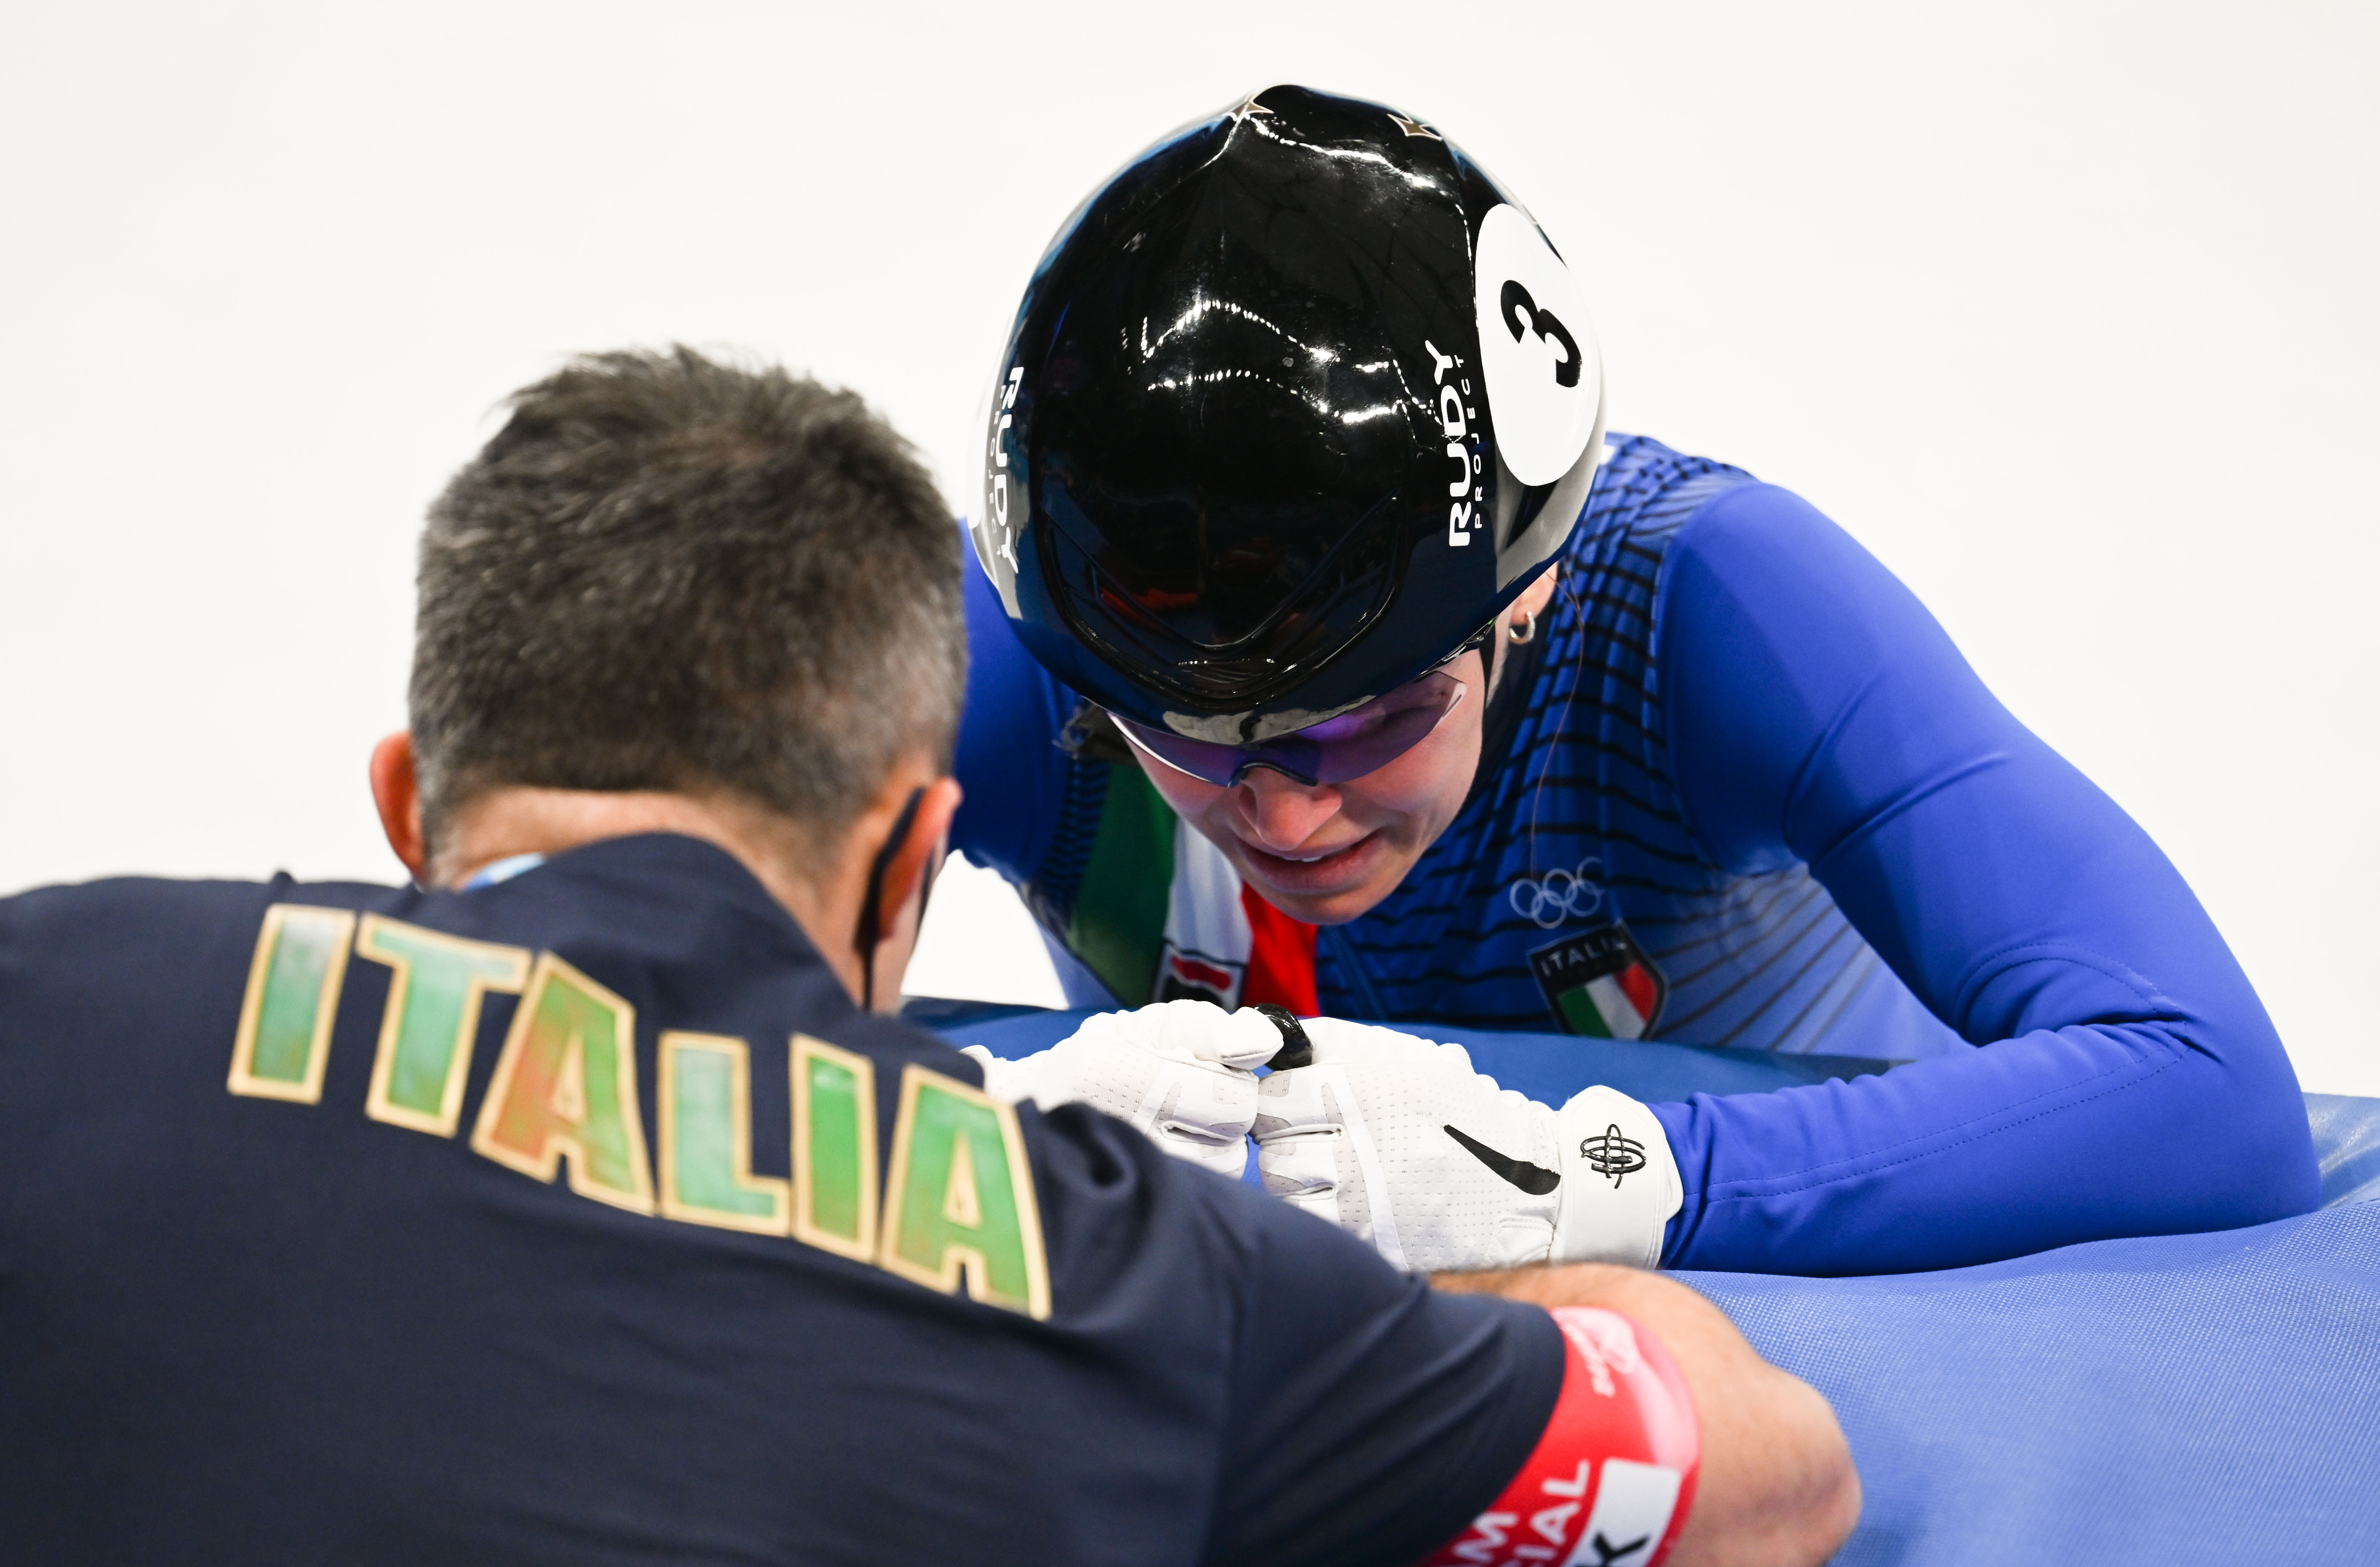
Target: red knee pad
{"type": "Point", "coordinates": [1612, 1478]}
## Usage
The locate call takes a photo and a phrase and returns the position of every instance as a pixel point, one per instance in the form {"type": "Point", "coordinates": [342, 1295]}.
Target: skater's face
{"type": "Point", "coordinates": [1325, 853]}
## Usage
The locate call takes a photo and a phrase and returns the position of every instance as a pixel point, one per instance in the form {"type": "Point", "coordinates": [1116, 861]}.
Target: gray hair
{"type": "Point", "coordinates": [670, 574]}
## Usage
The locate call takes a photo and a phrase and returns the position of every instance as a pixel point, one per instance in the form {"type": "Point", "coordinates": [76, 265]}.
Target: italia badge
{"type": "Point", "coordinates": [1600, 983]}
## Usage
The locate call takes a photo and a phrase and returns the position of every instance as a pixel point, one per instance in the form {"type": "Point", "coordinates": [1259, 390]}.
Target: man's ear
{"type": "Point", "coordinates": [929, 831]}
{"type": "Point", "coordinates": [904, 886]}
{"type": "Point", "coordinates": [397, 793]}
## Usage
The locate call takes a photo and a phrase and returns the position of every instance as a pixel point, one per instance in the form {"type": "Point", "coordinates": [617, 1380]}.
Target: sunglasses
{"type": "Point", "coordinates": [1329, 752]}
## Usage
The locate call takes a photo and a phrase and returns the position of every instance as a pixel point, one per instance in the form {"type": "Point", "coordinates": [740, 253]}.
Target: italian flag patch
{"type": "Point", "coordinates": [1600, 983]}
{"type": "Point", "coordinates": [1225, 945]}
{"type": "Point", "coordinates": [1163, 916]}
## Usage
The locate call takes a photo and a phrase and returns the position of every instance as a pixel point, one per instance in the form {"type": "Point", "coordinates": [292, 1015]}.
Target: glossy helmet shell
{"type": "Point", "coordinates": [1294, 405]}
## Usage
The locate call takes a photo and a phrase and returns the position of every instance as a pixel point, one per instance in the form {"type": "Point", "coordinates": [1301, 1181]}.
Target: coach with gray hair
{"type": "Point", "coordinates": [579, 1202]}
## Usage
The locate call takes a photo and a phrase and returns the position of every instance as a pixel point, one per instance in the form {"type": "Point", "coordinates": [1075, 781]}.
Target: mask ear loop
{"type": "Point", "coordinates": [871, 913]}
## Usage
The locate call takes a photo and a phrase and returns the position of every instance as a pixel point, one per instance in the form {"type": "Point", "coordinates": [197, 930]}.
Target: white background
{"type": "Point", "coordinates": [2066, 310]}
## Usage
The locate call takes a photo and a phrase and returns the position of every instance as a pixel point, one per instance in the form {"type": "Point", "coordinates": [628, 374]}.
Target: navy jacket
{"type": "Point", "coordinates": [583, 1219]}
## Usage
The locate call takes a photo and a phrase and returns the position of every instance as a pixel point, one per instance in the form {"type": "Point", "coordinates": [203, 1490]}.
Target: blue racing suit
{"type": "Point", "coordinates": [1742, 790]}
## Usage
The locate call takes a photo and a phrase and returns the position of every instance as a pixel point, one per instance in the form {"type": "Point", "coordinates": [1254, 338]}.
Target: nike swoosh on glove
{"type": "Point", "coordinates": [1179, 1071]}
{"type": "Point", "coordinates": [1398, 1141]}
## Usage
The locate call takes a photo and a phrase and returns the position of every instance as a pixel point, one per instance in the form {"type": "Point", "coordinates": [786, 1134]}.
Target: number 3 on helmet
{"type": "Point", "coordinates": [1295, 404]}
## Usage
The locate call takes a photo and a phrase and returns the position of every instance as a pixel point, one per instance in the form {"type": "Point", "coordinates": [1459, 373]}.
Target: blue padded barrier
{"type": "Point", "coordinates": [1547, 1067]}
{"type": "Point", "coordinates": [2347, 1140]}
{"type": "Point", "coordinates": [2179, 1399]}
{"type": "Point", "coordinates": [1551, 1068]}
{"type": "Point", "coordinates": [2147, 1402]}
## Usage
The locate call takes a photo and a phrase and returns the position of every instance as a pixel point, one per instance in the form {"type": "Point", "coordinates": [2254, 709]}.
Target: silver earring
{"type": "Point", "coordinates": [1523, 629]}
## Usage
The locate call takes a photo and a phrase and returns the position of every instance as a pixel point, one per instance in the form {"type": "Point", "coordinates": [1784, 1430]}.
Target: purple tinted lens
{"type": "Point", "coordinates": [1330, 752]}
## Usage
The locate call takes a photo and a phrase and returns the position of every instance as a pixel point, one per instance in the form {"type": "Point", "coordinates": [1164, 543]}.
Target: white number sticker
{"type": "Point", "coordinates": [1537, 351]}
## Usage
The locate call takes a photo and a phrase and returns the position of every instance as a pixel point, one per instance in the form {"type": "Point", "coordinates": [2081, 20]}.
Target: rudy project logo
{"type": "Point", "coordinates": [1600, 984]}
{"type": "Point", "coordinates": [1457, 417]}
{"type": "Point", "coordinates": [995, 535]}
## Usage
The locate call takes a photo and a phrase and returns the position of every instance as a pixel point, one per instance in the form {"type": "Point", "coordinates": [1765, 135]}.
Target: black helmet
{"type": "Point", "coordinates": [1294, 404]}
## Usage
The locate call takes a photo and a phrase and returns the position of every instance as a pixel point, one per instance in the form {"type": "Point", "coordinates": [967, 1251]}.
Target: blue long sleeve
{"type": "Point", "coordinates": [1007, 761]}
{"type": "Point", "coordinates": [2126, 1080]}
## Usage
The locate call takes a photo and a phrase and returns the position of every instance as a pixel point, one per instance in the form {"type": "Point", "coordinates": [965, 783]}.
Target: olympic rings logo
{"type": "Point", "coordinates": [1558, 895]}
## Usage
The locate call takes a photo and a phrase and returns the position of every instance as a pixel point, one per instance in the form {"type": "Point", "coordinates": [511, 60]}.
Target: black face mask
{"type": "Point", "coordinates": [870, 933]}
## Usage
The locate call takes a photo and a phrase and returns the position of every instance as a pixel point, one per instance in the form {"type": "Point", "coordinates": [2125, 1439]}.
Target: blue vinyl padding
{"type": "Point", "coordinates": [2178, 1399]}
{"type": "Point", "coordinates": [2347, 1141]}
{"type": "Point", "coordinates": [2174, 1398]}
{"type": "Point", "coordinates": [1546, 1067]}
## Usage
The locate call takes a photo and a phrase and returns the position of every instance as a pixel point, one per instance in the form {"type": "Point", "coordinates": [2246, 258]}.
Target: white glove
{"type": "Point", "coordinates": [1178, 1070]}
{"type": "Point", "coordinates": [1399, 1142]}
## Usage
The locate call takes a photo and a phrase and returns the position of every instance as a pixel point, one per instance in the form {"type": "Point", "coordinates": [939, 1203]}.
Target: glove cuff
{"type": "Point", "coordinates": [1620, 1181]}
{"type": "Point", "coordinates": [1011, 1082]}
